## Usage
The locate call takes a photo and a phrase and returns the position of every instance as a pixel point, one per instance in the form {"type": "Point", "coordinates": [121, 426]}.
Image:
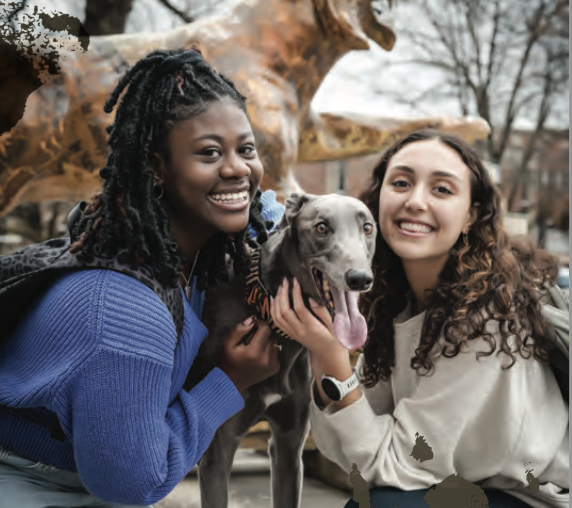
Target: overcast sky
{"type": "Point", "coordinates": [362, 82]}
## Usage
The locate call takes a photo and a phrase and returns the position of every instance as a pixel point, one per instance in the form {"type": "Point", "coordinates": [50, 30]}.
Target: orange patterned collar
{"type": "Point", "coordinates": [256, 295]}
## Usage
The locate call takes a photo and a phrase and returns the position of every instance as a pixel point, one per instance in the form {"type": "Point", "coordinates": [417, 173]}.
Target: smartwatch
{"type": "Point", "coordinates": [337, 390]}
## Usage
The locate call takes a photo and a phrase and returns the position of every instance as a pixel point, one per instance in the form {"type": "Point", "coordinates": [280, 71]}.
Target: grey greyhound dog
{"type": "Point", "coordinates": [327, 243]}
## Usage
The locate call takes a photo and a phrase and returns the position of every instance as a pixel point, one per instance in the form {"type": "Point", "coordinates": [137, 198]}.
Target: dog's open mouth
{"type": "Point", "coordinates": [324, 289]}
{"type": "Point", "coordinates": [350, 328]}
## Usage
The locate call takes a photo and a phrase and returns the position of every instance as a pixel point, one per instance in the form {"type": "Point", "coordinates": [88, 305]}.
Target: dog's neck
{"type": "Point", "coordinates": [280, 258]}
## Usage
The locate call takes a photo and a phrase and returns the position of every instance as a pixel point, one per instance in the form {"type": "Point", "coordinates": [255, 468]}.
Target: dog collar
{"type": "Point", "coordinates": [256, 295]}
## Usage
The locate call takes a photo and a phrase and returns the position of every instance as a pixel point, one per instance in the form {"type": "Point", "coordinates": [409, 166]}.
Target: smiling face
{"type": "Point", "coordinates": [212, 174]}
{"type": "Point", "coordinates": [425, 201]}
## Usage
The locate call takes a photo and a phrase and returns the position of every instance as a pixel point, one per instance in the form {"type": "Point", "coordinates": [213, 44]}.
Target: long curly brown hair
{"type": "Point", "coordinates": [491, 278]}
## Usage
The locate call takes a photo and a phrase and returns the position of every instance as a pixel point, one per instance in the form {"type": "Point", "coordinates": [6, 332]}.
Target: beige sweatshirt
{"type": "Point", "coordinates": [482, 423]}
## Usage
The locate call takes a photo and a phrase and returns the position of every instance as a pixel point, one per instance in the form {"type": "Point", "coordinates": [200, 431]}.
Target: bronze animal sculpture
{"type": "Point", "coordinates": [276, 51]}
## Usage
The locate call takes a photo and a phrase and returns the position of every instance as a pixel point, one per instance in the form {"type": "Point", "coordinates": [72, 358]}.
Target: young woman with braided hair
{"type": "Point", "coordinates": [454, 373]}
{"type": "Point", "coordinates": [105, 350]}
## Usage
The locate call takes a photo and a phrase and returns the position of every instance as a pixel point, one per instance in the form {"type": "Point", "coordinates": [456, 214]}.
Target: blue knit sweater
{"type": "Point", "coordinates": [99, 353]}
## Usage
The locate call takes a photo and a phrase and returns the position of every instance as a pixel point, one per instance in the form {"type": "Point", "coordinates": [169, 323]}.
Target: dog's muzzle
{"type": "Point", "coordinates": [359, 280]}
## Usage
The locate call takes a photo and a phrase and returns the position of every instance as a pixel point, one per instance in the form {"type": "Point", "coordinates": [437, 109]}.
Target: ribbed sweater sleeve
{"type": "Point", "coordinates": [132, 444]}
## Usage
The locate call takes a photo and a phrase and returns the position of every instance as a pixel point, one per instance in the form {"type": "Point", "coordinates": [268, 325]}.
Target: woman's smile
{"type": "Point", "coordinates": [232, 200]}
{"type": "Point", "coordinates": [413, 228]}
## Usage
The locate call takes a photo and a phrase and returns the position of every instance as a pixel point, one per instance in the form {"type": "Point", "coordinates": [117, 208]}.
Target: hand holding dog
{"type": "Point", "coordinates": [247, 362]}
{"type": "Point", "coordinates": [301, 325]}
{"type": "Point", "coordinates": [327, 355]}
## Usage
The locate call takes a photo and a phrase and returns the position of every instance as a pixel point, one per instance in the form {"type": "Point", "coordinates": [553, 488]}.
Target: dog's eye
{"type": "Point", "coordinates": [368, 228]}
{"type": "Point", "coordinates": [321, 228]}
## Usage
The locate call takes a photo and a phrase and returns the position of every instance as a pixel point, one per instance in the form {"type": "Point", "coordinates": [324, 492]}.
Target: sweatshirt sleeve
{"type": "Point", "coordinates": [472, 414]}
{"type": "Point", "coordinates": [131, 445]}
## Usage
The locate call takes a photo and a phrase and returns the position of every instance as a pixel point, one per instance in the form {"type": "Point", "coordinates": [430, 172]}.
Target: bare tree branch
{"type": "Point", "coordinates": [503, 59]}
{"type": "Point", "coordinates": [183, 15]}
{"type": "Point", "coordinates": [550, 85]}
{"type": "Point", "coordinates": [452, 48]}
{"type": "Point", "coordinates": [493, 44]}
{"type": "Point", "coordinates": [470, 16]}
{"type": "Point", "coordinates": [533, 37]}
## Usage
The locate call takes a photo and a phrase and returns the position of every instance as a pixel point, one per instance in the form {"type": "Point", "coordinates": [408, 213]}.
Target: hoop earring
{"type": "Point", "coordinates": [160, 193]}
{"type": "Point", "coordinates": [466, 239]}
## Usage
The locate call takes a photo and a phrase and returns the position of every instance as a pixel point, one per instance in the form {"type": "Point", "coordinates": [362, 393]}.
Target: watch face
{"type": "Point", "coordinates": [330, 389]}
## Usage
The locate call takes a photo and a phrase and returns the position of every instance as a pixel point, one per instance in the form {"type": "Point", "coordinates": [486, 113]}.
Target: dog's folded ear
{"type": "Point", "coordinates": [294, 204]}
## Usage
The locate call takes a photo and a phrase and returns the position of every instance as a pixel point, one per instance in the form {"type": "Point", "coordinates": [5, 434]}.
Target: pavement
{"type": "Point", "coordinates": [250, 488]}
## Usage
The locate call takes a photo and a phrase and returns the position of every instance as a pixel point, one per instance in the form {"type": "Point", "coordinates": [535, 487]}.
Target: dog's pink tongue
{"type": "Point", "coordinates": [350, 327]}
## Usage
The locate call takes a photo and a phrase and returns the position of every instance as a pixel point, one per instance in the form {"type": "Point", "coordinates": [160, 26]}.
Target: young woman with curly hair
{"type": "Point", "coordinates": [456, 357]}
{"type": "Point", "coordinates": [100, 352]}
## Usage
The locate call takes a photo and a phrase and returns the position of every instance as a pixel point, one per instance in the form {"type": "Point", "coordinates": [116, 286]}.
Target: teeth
{"type": "Point", "coordinates": [418, 228]}
{"type": "Point", "coordinates": [324, 287]}
{"type": "Point", "coordinates": [327, 292]}
{"type": "Point", "coordinates": [231, 197]}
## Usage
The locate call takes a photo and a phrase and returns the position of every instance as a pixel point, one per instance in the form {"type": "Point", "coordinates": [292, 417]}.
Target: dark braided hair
{"type": "Point", "coordinates": [126, 220]}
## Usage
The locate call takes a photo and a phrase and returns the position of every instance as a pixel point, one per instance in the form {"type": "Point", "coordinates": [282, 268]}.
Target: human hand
{"type": "Point", "coordinates": [327, 355]}
{"type": "Point", "coordinates": [249, 356]}
{"type": "Point", "coordinates": [314, 331]}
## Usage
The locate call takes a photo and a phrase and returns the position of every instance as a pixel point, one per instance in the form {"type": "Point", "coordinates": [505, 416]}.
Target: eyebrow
{"type": "Point", "coordinates": [443, 174]}
{"type": "Point", "coordinates": [218, 138]}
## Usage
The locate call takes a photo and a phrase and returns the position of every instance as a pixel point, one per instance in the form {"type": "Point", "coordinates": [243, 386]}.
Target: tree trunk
{"type": "Point", "coordinates": [106, 17]}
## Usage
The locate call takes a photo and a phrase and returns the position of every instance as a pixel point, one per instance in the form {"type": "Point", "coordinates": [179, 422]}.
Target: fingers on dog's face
{"type": "Point", "coordinates": [280, 306]}
{"type": "Point", "coordinates": [325, 317]}
{"type": "Point", "coordinates": [322, 313]}
{"type": "Point", "coordinates": [282, 302]}
{"type": "Point", "coordinates": [297, 294]}
{"type": "Point", "coordinates": [300, 308]}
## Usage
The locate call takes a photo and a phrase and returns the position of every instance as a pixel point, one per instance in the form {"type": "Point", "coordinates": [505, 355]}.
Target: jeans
{"type": "Point", "coordinates": [389, 497]}
{"type": "Point", "coordinates": [28, 484]}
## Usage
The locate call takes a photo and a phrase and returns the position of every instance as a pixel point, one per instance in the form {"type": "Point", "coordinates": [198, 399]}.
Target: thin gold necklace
{"type": "Point", "coordinates": [188, 289]}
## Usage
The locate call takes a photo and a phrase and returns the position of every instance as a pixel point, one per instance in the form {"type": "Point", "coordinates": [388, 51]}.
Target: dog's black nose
{"type": "Point", "coordinates": [359, 280]}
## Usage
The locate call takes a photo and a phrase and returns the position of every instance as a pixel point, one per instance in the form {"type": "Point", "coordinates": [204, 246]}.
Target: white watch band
{"type": "Point", "coordinates": [349, 385]}
{"type": "Point", "coordinates": [337, 390]}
